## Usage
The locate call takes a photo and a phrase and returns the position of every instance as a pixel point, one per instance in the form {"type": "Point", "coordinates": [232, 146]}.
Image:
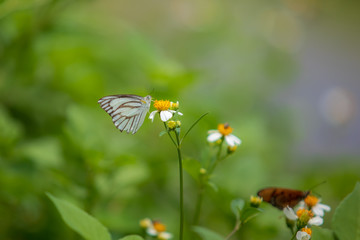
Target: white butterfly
{"type": "Point", "coordinates": [127, 111]}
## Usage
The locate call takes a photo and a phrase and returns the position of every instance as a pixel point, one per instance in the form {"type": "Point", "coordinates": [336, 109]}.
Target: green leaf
{"type": "Point", "coordinates": [321, 233]}
{"type": "Point", "coordinates": [192, 167]}
{"type": "Point", "coordinates": [346, 219]}
{"type": "Point", "coordinates": [248, 213]}
{"type": "Point", "coordinates": [132, 237]}
{"type": "Point", "coordinates": [236, 206]}
{"type": "Point", "coordinates": [81, 222]}
{"type": "Point", "coordinates": [213, 186]}
{"type": "Point", "coordinates": [162, 133]}
{"type": "Point", "coordinates": [207, 234]}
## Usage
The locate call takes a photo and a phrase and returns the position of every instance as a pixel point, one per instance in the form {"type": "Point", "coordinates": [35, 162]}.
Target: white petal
{"type": "Point", "coordinates": [324, 207]}
{"type": "Point", "coordinates": [165, 115]}
{"type": "Point", "coordinates": [152, 115]}
{"type": "Point", "coordinates": [212, 131]}
{"type": "Point", "coordinates": [302, 235]}
{"type": "Point", "coordinates": [317, 221]}
{"type": "Point", "coordinates": [164, 235]}
{"type": "Point", "coordinates": [180, 113]}
{"type": "Point", "coordinates": [214, 136]}
{"type": "Point", "coordinates": [289, 213]}
{"type": "Point", "coordinates": [151, 231]}
{"type": "Point", "coordinates": [232, 140]}
{"type": "Point", "coordinates": [317, 211]}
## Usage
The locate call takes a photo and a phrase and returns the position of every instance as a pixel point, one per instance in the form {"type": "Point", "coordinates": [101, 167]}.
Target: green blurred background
{"type": "Point", "coordinates": [284, 74]}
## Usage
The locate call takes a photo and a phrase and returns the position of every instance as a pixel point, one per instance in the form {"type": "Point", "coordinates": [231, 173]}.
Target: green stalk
{"type": "Point", "coordinates": [294, 235]}
{"type": "Point", "coordinates": [181, 178]}
{"type": "Point", "coordinates": [236, 228]}
{"type": "Point", "coordinates": [201, 191]}
{"type": "Point", "coordinates": [199, 202]}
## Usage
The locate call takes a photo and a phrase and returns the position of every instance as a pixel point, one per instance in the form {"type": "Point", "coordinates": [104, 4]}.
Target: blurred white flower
{"type": "Point", "coordinates": [223, 131]}
{"type": "Point", "coordinates": [306, 216]}
{"type": "Point", "coordinates": [300, 235]}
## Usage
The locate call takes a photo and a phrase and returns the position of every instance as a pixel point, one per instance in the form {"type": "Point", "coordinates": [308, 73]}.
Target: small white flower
{"type": "Point", "coordinates": [157, 229]}
{"type": "Point", "coordinates": [291, 215]}
{"type": "Point", "coordinates": [300, 235]}
{"type": "Point", "coordinates": [163, 107]}
{"type": "Point", "coordinates": [224, 130]}
{"type": "Point", "coordinates": [314, 204]}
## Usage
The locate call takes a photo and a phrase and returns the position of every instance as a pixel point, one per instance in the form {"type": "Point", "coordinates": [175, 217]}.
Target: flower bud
{"type": "Point", "coordinates": [255, 201]}
{"type": "Point", "coordinates": [171, 124]}
{"type": "Point", "coordinates": [231, 149]}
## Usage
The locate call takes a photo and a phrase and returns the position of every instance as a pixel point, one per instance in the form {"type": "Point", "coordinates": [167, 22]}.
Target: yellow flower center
{"type": "Point", "coordinates": [224, 129]}
{"type": "Point", "coordinates": [311, 201]}
{"type": "Point", "coordinates": [162, 105]}
{"type": "Point", "coordinates": [303, 212]}
{"type": "Point", "coordinates": [307, 230]}
{"type": "Point", "coordinates": [159, 226]}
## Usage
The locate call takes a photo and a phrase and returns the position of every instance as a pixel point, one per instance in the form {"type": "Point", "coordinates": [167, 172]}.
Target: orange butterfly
{"type": "Point", "coordinates": [282, 197]}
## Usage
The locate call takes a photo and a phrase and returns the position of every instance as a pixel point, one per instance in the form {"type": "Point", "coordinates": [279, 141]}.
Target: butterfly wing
{"type": "Point", "coordinates": [282, 197]}
{"type": "Point", "coordinates": [127, 111]}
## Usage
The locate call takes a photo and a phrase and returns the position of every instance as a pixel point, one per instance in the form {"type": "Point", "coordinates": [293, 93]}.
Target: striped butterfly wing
{"type": "Point", "coordinates": [127, 111]}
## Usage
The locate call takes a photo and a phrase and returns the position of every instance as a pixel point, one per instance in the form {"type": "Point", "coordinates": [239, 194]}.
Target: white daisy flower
{"type": "Point", "coordinates": [305, 215]}
{"type": "Point", "coordinates": [316, 207]}
{"type": "Point", "coordinates": [304, 234]}
{"type": "Point", "coordinates": [163, 108]}
{"type": "Point", "coordinates": [155, 229]}
{"type": "Point", "coordinates": [223, 131]}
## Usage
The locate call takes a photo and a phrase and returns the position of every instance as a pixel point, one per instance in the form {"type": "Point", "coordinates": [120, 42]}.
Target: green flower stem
{"type": "Point", "coordinates": [199, 201]}
{"type": "Point", "coordinates": [181, 186]}
{"type": "Point", "coordinates": [218, 157]}
{"type": "Point", "coordinates": [294, 235]}
{"type": "Point", "coordinates": [168, 132]}
{"type": "Point", "coordinates": [200, 195]}
{"type": "Point", "coordinates": [236, 228]}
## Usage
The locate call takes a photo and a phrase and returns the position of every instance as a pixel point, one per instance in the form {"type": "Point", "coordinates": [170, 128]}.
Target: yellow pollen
{"type": "Point", "coordinates": [307, 230]}
{"type": "Point", "coordinates": [224, 129]}
{"type": "Point", "coordinates": [162, 105]}
{"type": "Point", "coordinates": [304, 212]}
{"type": "Point", "coordinates": [159, 226]}
{"type": "Point", "coordinates": [311, 201]}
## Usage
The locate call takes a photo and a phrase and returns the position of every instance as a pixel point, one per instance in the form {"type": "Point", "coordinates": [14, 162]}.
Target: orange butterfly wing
{"type": "Point", "coordinates": [282, 197]}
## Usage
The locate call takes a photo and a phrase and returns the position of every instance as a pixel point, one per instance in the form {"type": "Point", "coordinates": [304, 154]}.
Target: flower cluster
{"type": "Point", "coordinates": [155, 229]}
{"type": "Point", "coordinates": [309, 212]}
{"type": "Point", "coordinates": [166, 110]}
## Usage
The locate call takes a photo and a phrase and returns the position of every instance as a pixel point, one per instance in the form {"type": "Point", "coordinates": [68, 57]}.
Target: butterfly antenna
{"type": "Point", "coordinates": [316, 185]}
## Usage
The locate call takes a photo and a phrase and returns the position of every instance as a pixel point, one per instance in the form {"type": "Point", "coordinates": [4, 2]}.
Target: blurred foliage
{"type": "Point", "coordinates": [57, 58]}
